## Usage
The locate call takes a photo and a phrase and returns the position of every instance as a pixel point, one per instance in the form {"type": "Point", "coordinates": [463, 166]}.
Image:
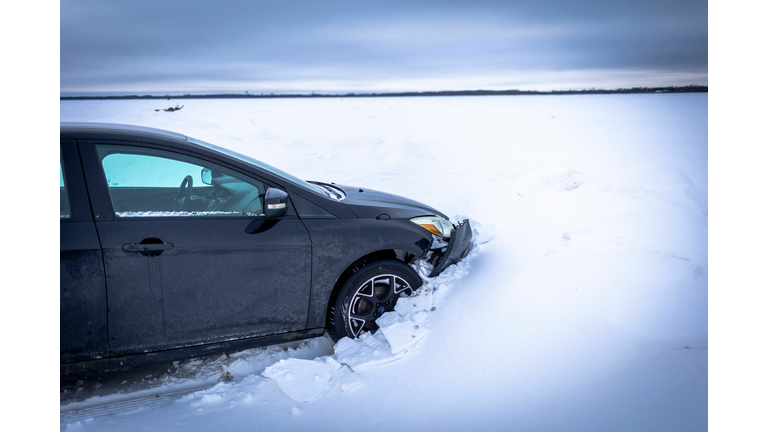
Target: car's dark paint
{"type": "Point", "coordinates": [83, 302]}
{"type": "Point", "coordinates": [338, 244]}
{"type": "Point", "coordinates": [367, 204]}
{"type": "Point", "coordinates": [177, 299]}
{"type": "Point", "coordinates": [82, 293]}
{"type": "Point", "coordinates": [212, 279]}
{"type": "Point", "coordinates": [219, 282]}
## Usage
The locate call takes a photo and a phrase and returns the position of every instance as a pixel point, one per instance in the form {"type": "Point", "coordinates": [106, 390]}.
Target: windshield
{"type": "Point", "coordinates": [259, 164]}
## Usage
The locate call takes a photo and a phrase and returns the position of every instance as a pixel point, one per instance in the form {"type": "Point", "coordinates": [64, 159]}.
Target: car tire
{"type": "Point", "coordinates": [370, 292]}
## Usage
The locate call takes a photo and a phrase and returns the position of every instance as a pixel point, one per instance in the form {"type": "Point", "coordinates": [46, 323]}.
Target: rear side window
{"type": "Point", "coordinates": [144, 182]}
{"type": "Point", "coordinates": [64, 211]}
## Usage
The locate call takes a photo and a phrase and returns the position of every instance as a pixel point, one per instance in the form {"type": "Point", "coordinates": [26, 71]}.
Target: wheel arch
{"type": "Point", "coordinates": [397, 254]}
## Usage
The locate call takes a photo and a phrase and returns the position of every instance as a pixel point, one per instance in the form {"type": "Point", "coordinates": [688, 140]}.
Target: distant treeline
{"type": "Point", "coordinates": [678, 89]}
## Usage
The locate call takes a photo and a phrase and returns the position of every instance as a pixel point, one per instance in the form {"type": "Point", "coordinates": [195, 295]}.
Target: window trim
{"type": "Point", "coordinates": [191, 158]}
{"type": "Point", "coordinates": [99, 192]}
{"type": "Point", "coordinates": [63, 198]}
{"type": "Point", "coordinates": [79, 201]}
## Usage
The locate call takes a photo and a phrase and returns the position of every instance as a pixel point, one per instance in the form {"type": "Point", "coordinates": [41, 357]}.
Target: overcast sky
{"type": "Point", "coordinates": [174, 46]}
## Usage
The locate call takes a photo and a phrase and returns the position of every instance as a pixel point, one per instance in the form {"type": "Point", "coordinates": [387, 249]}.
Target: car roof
{"type": "Point", "coordinates": [123, 132]}
{"type": "Point", "coordinates": [116, 131]}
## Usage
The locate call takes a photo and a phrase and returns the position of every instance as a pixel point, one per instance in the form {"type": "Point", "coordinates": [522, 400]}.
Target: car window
{"type": "Point", "coordinates": [145, 182]}
{"type": "Point", "coordinates": [64, 211]}
{"type": "Point", "coordinates": [259, 164]}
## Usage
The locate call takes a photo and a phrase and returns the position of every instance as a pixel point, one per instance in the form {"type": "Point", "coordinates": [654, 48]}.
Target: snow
{"type": "Point", "coordinates": [176, 213]}
{"type": "Point", "coordinates": [582, 307]}
{"type": "Point", "coordinates": [304, 380]}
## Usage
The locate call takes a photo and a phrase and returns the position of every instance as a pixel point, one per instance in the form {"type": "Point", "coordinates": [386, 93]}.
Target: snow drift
{"type": "Point", "coordinates": [583, 307]}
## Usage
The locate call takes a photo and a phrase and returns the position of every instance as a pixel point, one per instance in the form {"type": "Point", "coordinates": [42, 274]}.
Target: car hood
{"type": "Point", "coordinates": [368, 203]}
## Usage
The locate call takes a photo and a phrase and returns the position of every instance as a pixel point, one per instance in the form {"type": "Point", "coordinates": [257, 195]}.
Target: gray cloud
{"type": "Point", "coordinates": [356, 45]}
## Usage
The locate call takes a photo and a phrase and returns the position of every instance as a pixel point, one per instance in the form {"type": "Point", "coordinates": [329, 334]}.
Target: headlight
{"type": "Point", "coordinates": [435, 224]}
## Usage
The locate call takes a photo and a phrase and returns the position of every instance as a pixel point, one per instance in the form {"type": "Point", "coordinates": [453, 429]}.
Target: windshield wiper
{"type": "Point", "coordinates": [331, 190]}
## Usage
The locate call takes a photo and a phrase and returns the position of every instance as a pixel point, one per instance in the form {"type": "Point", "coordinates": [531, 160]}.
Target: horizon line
{"type": "Point", "coordinates": [690, 88]}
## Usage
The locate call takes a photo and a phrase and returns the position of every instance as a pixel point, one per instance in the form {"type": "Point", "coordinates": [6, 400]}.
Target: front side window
{"type": "Point", "coordinates": [64, 211]}
{"type": "Point", "coordinates": [145, 182]}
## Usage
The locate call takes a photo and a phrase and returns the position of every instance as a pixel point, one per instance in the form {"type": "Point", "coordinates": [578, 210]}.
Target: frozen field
{"type": "Point", "coordinates": [583, 307]}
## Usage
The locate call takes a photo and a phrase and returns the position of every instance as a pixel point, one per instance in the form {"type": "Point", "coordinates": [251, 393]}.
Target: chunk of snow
{"type": "Point", "coordinates": [366, 351]}
{"type": "Point", "coordinates": [211, 399]}
{"type": "Point", "coordinates": [403, 335]}
{"type": "Point", "coordinates": [420, 302]}
{"type": "Point", "coordinates": [301, 380]}
{"type": "Point", "coordinates": [75, 426]}
{"type": "Point", "coordinates": [305, 380]}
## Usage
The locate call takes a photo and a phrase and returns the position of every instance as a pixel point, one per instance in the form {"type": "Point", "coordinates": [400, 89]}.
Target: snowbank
{"type": "Point", "coordinates": [584, 306]}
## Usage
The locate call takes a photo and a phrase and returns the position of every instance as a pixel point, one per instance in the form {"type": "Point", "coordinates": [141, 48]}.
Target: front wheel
{"type": "Point", "coordinates": [369, 293]}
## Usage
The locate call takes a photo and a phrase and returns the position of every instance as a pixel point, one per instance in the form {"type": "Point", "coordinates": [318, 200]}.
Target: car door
{"type": "Point", "coordinates": [193, 263]}
{"type": "Point", "coordinates": [82, 288]}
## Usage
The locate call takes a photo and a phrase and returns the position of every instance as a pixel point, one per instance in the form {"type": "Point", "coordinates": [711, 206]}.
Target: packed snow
{"type": "Point", "coordinates": [177, 213]}
{"type": "Point", "coordinates": [583, 305]}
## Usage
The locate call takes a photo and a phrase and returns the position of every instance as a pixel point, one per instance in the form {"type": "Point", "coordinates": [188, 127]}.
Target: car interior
{"type": "Point", "coordinates": [223, 193]}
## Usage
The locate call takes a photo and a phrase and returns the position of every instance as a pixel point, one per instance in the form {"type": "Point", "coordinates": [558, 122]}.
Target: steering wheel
{"type": "Point", "coordinates": [181, 202]}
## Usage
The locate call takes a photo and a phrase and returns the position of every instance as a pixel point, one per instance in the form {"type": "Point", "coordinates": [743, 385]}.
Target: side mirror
{"type": "Point", "coordinates": [206, 176]}
{"type": "Point", "coordinates": [275, 202]}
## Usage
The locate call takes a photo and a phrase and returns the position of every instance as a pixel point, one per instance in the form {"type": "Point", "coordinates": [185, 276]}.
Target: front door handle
{"type": "Point", "coordinates": [148, 249]}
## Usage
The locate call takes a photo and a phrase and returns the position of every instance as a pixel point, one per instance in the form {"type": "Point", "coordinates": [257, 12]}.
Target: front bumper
{"type": "Point", "coordinates": [458, 247]}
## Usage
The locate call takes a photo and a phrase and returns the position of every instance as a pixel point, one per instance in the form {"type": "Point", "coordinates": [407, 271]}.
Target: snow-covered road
{"type": "Point", "coordinates": [583, 308]}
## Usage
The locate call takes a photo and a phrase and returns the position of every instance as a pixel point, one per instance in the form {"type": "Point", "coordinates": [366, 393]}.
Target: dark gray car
{"type": "Point", "coordinates": [172, 248]}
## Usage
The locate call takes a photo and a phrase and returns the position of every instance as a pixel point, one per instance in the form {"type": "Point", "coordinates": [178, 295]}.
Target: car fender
{"type": "Point", "coordinates": [337, 244]}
